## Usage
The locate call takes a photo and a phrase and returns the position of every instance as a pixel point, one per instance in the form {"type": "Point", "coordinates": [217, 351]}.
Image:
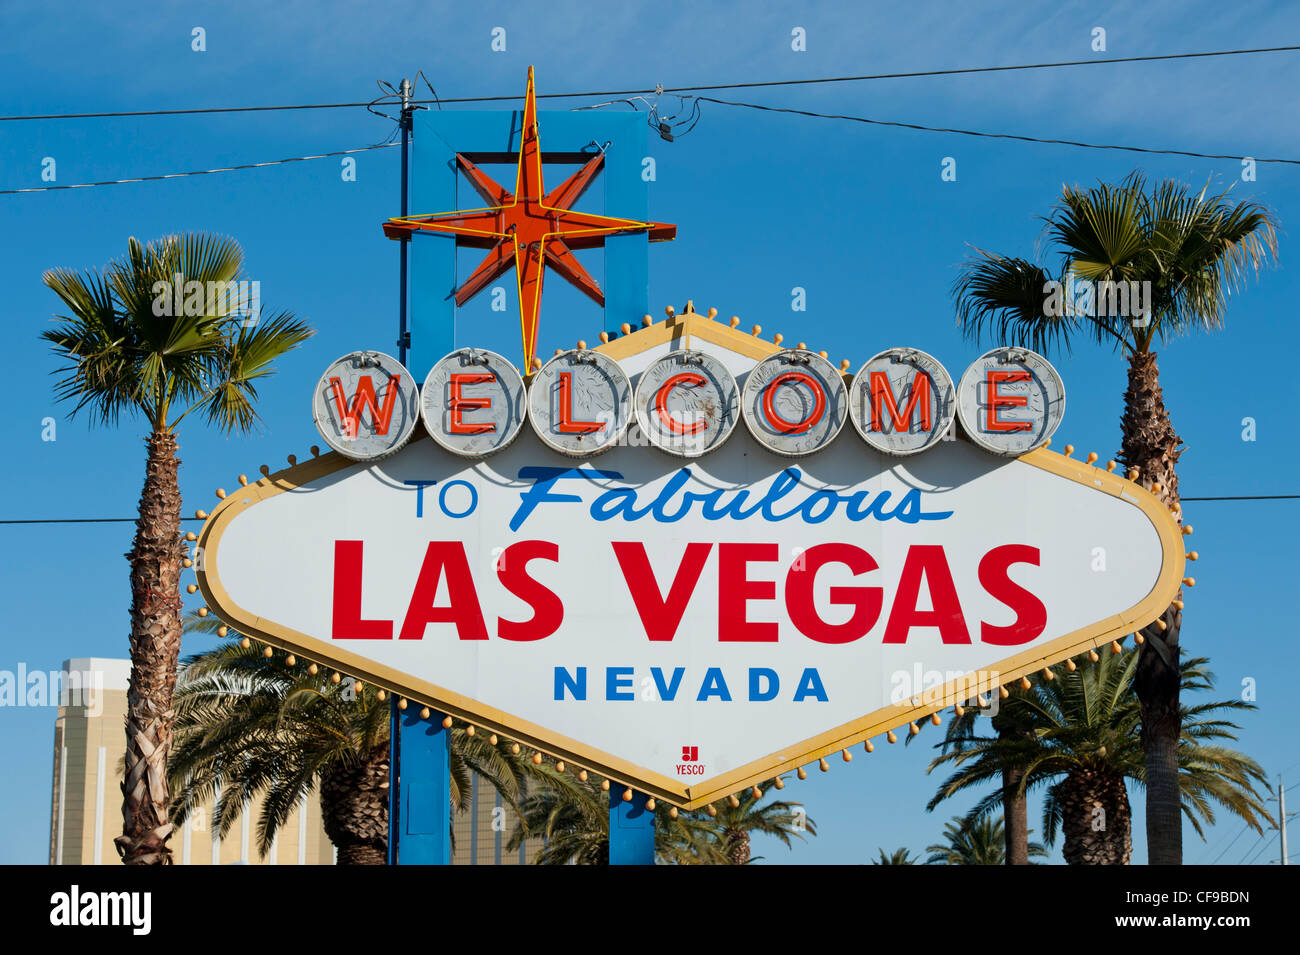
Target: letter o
{"type": "Point", "coordinates": [442, 498]}
{"type": "Point", "coordinates": [794, 427]}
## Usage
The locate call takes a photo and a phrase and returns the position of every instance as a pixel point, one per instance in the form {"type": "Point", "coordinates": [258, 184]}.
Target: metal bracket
{"type": "Point", "coordinates": [908, 355]}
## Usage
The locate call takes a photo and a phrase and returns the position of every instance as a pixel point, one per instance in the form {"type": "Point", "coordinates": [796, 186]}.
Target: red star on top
{"type": "Point", "coordinates": [530, 228]}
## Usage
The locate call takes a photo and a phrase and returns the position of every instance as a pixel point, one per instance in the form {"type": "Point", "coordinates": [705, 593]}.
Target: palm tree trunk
{"type": "Point", "coordinates": [354, 807]}
{"type": "Point", "coordinates": [1095, 817]}
{"type": "Point", "coordinates": [359, 854]}
{"type": "Point", "coordinates": [736, 842]}
{"type": "Point", "coordinates": [1015, 817]}
{"type": "Point", "coordinates": [1015, 805]}
{"type": "Point", "coordinates": [1152, 446]}
{"type": "Point", "coordinates": [155, 559]}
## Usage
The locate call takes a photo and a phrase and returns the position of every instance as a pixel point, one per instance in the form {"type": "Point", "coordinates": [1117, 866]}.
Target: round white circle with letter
{"type": "Point", "coordinates": [687, 403]}
{"type": "Point", "coordinates": [366, 405]}
{"type": "Point", "coordinates": [579, 402]}
{"type": "Point", "coordinates": [902, 401]}
{"type": "Point", "coordinates": [1010, 400]}
{"type": "Point", "coordinates": [794, 402]}
{"type": "Point", "coordinates": [473, 402]}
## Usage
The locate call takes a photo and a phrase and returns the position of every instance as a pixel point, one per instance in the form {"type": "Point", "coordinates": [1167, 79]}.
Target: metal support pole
{"type": "Point", "coordinates": [631, 829]}
{"type": "Point", "coordinates": [419, 753]}
{"type": "Point", "coordinates": [1281, 820]}
{"type": "Point", "coordinates": [419, 822]}
{"type": "Point", "coordinates": [404, 336]}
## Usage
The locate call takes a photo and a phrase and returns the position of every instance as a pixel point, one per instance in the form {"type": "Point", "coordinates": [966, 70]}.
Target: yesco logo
{"type": "Point", "coordinates": [690, 764]}
{"type": "Point", "coordinates": [76, 908]}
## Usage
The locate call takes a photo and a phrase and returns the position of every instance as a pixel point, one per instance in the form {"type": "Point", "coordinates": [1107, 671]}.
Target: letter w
{"type": "Point", "coordinates": [364, 400]}
{"type": "Point", "coordinates": [660, 616]}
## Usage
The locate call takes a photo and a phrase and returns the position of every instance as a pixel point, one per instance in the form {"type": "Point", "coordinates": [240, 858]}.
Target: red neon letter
{"type": "Point", "coordinates": [882, 393]}
{"type": "Point", "coordinates": [444, 557]}
{"type": "Point", "coordinates": [661, 402]}
{"type": "Point", "coordinates": [660, 616]}
{"type": "Point", "coordinates": [865, 601]}
{"type": "Point", "coordinates": [1031, 615]}
{"type": "Point", "coordinates": [793, 427]}
{"type": "Point", "coordinates": [566, 424]}
{"type": "Point", "coordinates": [995, 401]}
{"type": "Point", "coordinates": [364, 399]}
{"type": "Point", "coordinates": [347, 622]}
{"type": "Point", "coordinates": [548, 609]}
{"type": "Point", "coordinates": [735, 590]}
{"type": "Point", "coordinates": [456, 404]}
{"type": "Point", "coordinates": [928, 561]}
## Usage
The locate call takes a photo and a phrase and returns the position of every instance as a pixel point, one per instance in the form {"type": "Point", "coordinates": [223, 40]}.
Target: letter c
{"type": "Point", "coordinates": [685, 379]}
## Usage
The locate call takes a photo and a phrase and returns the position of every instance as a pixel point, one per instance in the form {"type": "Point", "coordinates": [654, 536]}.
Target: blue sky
{"type": "Point", "coordinates": [857, 215]}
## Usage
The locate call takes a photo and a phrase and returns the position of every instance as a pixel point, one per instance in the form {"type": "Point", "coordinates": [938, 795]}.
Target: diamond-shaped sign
{"type": "Point", "coordinates": [690, 627]}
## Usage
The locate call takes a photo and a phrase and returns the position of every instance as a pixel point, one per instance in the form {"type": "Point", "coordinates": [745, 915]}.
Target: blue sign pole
{"type": "Point", "coordinates": [419, 791]}
{"type": "Point", "coordinates": [422, 781]}
{"type": "Point", "coordinates": [419, 758]}
{"type": "Point", "coordinates": [631, 829]}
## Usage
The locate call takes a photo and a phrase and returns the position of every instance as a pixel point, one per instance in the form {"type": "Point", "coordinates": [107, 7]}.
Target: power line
{"type": "Point", "coordinates": [1216, 859]}
{"type": "Point", "coordinates": [85, 520]}
{"type": "Point", "coordinates": [119, 520]}
{"type": "Point", "coordinates": [986, 135]}
{"type": "Point", "coordinates": [1246, 497]}
{"type": "Point", "coordinates": [198, 172]}
{"type": "Point", "coordinates": [708, 99]}
{"type": "Point", "coordinates": [959, 71]}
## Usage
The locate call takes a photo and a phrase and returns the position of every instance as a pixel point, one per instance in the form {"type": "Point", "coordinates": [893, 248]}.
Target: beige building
{"type": "Point", "coordinates": [86, 809]}
{"type": "Point", "coordinates": [86, 804]}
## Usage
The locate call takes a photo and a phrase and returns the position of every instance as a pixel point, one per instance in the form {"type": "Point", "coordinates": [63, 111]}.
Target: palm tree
{"type": "Point", "coordinates": [897, 857]}
{"type": "Point", "coordinates": [1081, 742]}
{"type": "Point", "coordinates": [1193, 250]}
{"type": "Point", "coordinates": [1015, 804]}
{"type": "Point", "coordinates": [974, 842]}
{"type": "Point", "coordinates": [250, 725]}
{"type": "Point", "coordinates": [738, 816]}
{"type": "Point", "coordinates": [125, 358]}
{"type": "Point", "coordinates": [571, 815]}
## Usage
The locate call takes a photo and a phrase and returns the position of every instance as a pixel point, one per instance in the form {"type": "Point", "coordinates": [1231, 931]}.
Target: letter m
{"type": "Point", "coordinates": [882, 397]}
{"type": "Point", "coordinates": [363, 400]}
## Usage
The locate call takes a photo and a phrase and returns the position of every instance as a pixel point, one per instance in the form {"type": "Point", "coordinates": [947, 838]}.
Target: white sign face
{"type": "Point", "coordinates": [628, 613]}
{"type": "Point", "coordinates": [365, 405]}
{"type": "Point", "coordinates": [473, 402]}
{"type": "Point", "coordinates": [1010, 401]}
{"type": "Point", "coordinates": [794, 402]}
{"type": "Point", "coordinates": [687, 403]}
{"type": "Point", "coordinates": [902, 401]}
{"type": "Point", "coordinates": [580, 402]}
